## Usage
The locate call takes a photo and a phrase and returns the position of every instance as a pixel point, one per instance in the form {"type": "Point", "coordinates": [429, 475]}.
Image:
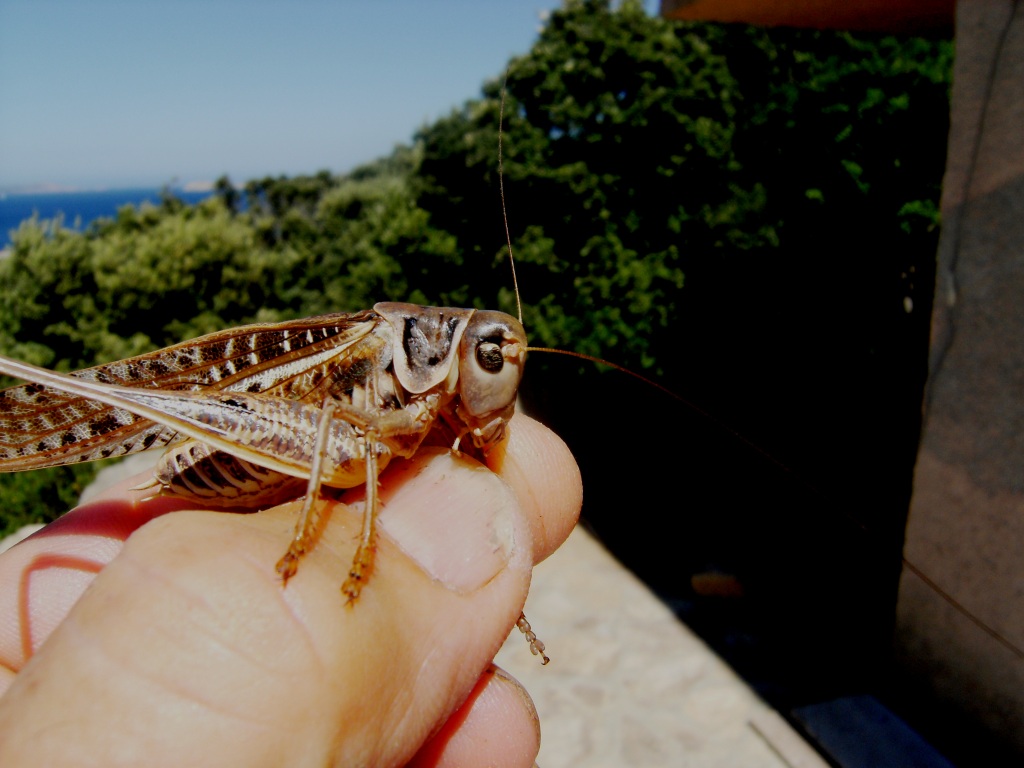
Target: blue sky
{"type": "Point", "coordinates": [117, 93]}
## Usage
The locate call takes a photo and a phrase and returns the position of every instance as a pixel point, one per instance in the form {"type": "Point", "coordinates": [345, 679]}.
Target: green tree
{"type": "Point", "coordinates": [228, 193]}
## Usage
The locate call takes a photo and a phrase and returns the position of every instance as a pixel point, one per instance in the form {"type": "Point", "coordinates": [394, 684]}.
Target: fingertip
{"type": "Point", "coordinates": [542, 471]}
{"type": "Point", "coordinates": [496, 726]}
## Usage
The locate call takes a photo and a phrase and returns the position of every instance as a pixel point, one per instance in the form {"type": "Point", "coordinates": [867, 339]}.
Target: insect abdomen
{"type": "Point", "coordinates": [218, 479]}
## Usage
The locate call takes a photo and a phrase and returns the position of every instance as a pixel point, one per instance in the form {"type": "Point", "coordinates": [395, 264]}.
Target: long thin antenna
{"type": "Point", "coordinates": [501, 188]}
{"type": "Point", "coordinates": [953, 603]}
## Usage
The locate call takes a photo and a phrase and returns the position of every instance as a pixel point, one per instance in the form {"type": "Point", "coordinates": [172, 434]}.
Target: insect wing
{"type": "Point", "coordinates": [42, 425]}
{"type": "Point", "coordinates": [276, 430]}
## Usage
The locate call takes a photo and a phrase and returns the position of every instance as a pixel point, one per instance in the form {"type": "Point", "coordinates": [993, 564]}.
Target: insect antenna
{"type": "Point", "coordinates": [501, 190]}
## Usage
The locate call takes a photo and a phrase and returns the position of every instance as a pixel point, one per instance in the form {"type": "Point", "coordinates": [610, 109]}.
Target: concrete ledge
{"type": "Point", "coordinates": [628, 684]}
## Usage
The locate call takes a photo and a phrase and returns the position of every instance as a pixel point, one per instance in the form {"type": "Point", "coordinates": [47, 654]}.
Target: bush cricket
{"type": "Point", "coordinates": [328, 400]}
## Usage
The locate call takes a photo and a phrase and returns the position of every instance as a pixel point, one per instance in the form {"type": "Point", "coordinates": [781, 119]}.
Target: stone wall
{"type": "Point", "coordinates": [966, 526]}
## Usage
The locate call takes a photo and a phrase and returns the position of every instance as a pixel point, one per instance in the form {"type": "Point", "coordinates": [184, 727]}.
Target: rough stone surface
{"type": "Point", "coordinates": [967, 514]}
{"type": "Point", "coordinates": [628, 684]}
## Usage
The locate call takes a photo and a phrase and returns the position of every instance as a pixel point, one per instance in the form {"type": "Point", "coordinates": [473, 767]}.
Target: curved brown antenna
{"type": "Point", "coordinates": [675, 396]}
{"type": "Point", "coordinates": [617, 367]}
{"type": "Point", "coordinates": [501, 190]}
{"type": "Point", "coordinates": [955, 604]}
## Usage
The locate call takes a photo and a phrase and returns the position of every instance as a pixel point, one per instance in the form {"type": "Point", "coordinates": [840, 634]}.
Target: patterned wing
{"type": "Point", "coordinates": [43, 427]}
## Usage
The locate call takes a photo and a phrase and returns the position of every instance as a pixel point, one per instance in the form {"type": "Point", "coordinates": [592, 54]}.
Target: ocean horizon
{"type": "Point", "coordinates": [79, 209]}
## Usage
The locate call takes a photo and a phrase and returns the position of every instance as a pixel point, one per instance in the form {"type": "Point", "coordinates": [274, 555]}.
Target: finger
{"type": "Point", "coordinates": [497, 726]}
{"type": "Point", "coordinates": [43, 576]}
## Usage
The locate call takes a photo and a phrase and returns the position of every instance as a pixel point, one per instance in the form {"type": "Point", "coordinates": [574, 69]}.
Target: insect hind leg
{"type": "Point", "coordinates": [362, 561]}
{"type": "Point", "coordinates": [307, 526]}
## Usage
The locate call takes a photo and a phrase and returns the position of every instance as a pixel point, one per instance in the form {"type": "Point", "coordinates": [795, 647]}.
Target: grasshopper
{"type": "Point", "coordinates": [252, 414]}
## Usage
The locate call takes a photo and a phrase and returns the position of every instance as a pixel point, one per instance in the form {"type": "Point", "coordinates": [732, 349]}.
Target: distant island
{"type": "Point", "coordinates": [48, 188]}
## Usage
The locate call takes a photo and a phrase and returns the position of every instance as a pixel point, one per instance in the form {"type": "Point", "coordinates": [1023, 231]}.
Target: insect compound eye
{"type": "Point", "coordinates": [488, 354]}
{"type": "Point", "coordinates": [492, 354]}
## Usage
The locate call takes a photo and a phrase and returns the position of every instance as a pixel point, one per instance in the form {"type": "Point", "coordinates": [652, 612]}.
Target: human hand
{"type": "Point", "coordinates": [186, 650]}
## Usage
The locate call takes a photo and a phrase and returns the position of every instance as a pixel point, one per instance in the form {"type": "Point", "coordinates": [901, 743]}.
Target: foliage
{"type": "Point", "coordinates": [146, 279]}
{"type": "Point", "coordinates": [656, 150]}
{"type": "Point", "coordinates": [42, 495]}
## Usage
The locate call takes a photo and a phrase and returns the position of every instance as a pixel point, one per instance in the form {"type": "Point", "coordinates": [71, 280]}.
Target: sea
{"type": "Point", "coordinates": [79, 209]}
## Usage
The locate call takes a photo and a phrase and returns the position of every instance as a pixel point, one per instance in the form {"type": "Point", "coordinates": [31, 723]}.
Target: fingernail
{"type": "Point", "coordinates": [524, 697]}
{"type": "Point", "coordinates": [454, 517]}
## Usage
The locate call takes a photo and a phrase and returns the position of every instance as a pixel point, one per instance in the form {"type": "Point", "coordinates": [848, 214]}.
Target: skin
{"type": "Point", "coordinates": [167, 639]}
